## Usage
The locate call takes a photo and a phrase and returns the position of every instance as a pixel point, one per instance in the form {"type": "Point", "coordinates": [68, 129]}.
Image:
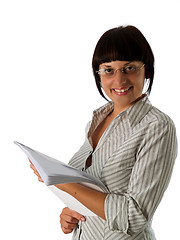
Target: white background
{"type": "Point", "coordinates": [47, 95]}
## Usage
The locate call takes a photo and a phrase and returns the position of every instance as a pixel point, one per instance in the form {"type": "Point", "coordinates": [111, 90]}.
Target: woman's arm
{"type": "Point", "coordinates": [129, 212]}
{"type": "Point", "coordinates": [92, 199]}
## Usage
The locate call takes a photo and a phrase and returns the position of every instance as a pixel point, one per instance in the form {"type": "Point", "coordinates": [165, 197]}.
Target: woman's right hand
{"type": "Point", "coordinates": [69, 220]}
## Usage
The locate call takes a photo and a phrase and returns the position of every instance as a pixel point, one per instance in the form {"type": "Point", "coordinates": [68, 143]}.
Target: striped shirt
{"type": "Point", "coordinates": [134, 158]}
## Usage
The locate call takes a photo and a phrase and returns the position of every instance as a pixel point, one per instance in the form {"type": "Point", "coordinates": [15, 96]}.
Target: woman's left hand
{"type": "Point", "coordinates": [35, 171]}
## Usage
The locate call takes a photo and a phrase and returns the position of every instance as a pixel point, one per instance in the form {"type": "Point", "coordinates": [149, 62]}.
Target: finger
{"type": "Point", "coordinates": [71, 213]}
{"type": "Point", "coordinates": [36, 172]}
{"type": "Point", "coordinates": [66, 231]}
{"type": "Point", "coordinates": [77, 215]}
{"type": "Point", "coordinates": [40, 179]}
{"type": "Point", "coordinates": [69, 219]}
{"type": "Point", "coordinates": [33, 167]}
{"type": "Point", "coordinates": [68, 225]}
{"type": "Point", "coordinates": [66, 216]}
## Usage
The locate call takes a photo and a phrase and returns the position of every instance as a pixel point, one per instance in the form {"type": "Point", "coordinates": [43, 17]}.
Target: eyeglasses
{"type": "Point", "coordinates": [110, 72]}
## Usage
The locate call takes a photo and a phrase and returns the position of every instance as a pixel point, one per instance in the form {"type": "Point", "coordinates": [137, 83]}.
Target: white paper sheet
{"type": "Point", "coordinates": [54, 172]}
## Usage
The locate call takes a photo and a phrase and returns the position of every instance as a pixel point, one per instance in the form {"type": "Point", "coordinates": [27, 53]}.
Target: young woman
{"type": "Point", "coordinates": [130, 145]}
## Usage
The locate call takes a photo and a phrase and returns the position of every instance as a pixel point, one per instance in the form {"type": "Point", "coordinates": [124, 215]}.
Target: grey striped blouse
{"type": "Point", "coordinates": [134, 159]}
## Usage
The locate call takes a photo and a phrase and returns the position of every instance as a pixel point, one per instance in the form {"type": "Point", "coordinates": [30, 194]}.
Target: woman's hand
{"type": "Point", "coordinates": [35, 171]}
{"type": "Point", "coordinates": [69, 220]}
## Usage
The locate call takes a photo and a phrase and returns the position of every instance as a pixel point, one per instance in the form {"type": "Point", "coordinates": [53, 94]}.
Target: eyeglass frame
{"type": "Point", "coordinates": [121, 69]}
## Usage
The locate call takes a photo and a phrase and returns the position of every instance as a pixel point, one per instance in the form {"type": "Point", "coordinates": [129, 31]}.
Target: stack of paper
{"type": "Point", "coordinates": [54, 172]}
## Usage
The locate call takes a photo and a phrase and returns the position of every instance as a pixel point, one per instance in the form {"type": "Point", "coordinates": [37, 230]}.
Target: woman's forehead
{"type": "Point", "coordinates": [117, 63]}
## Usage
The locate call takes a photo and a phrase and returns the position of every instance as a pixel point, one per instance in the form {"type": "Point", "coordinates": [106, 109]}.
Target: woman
{"type": "Point", "coordinates": [130, 145]}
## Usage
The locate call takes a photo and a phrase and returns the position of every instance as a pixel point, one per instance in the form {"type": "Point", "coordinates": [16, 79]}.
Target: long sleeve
{"type": "Point", "coordinates": [129, 212]}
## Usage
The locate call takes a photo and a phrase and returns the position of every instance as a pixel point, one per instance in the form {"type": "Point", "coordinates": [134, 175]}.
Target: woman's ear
{"type": "Point", "coordinates": [100, 83]}
{"type": "Point", "coordinates": [147, 75]}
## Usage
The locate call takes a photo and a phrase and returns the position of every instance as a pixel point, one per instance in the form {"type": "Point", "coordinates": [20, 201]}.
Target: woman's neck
{"type": "Point", "coordinates": [119, 108]}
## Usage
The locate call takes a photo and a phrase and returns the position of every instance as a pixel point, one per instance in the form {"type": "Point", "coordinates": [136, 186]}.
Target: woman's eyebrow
{"type": "Point", "coordinates": [127, 63]}
{"type": "Point", "coordinates": [105, 65]}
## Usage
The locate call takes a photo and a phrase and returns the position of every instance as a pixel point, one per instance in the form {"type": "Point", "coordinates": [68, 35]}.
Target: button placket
{"type": "Point", "coordinates": [85, 163]}
{"type": "Point", "coordinates": [79, 229]}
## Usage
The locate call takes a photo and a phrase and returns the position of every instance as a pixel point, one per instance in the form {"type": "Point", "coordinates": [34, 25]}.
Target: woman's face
{"type": "Point", "coordinates": [126, 85]}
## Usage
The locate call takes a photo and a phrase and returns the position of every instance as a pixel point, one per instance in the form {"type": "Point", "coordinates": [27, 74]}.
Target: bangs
{"type": "Point", "coordinates": [115, 46]}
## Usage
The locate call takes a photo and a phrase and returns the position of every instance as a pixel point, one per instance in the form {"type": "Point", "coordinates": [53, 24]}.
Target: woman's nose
{"type": "Point", "coordinates": [119, 76]}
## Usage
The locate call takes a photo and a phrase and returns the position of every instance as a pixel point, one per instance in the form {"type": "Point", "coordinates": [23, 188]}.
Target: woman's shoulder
{"type": "Point", "coordinates": [159, 118]}
{"type": "Point", "coordinates": [159, 115]}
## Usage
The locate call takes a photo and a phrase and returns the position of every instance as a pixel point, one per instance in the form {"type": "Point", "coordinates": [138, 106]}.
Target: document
{"type": "Point", "coordinates": [53, 172]}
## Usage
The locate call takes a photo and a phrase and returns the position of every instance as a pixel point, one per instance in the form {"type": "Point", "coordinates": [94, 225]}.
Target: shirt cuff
{"type": "Point", "coordinates": [116, 212]}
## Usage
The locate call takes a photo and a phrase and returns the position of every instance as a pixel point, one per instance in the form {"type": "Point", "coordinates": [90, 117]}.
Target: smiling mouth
{"type": "Point", "coordinates": [122, 90]}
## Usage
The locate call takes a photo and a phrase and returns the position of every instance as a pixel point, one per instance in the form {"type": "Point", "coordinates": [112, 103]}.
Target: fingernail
{"type": "Point", "coordinates": [82, 219]}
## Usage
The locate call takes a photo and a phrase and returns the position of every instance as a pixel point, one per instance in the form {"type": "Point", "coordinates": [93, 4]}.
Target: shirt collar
{"type": "Point", "coordinates": [138, 111]}
{"type": "Point", "coordinates": [135, 113]}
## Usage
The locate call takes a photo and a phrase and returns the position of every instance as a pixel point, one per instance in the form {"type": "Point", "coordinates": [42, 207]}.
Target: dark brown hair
{"type": "Point", "coordinates": [123, 44]}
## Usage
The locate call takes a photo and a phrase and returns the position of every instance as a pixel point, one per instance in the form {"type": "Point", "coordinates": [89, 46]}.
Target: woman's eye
{"type": "Point", "coordinates": [109, 71]}
{"type": "Point", "coordinates": [129, 69]}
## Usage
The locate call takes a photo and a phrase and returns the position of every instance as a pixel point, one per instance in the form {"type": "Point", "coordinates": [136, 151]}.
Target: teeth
{"type": "Point", "coordinates": [121, 91]}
